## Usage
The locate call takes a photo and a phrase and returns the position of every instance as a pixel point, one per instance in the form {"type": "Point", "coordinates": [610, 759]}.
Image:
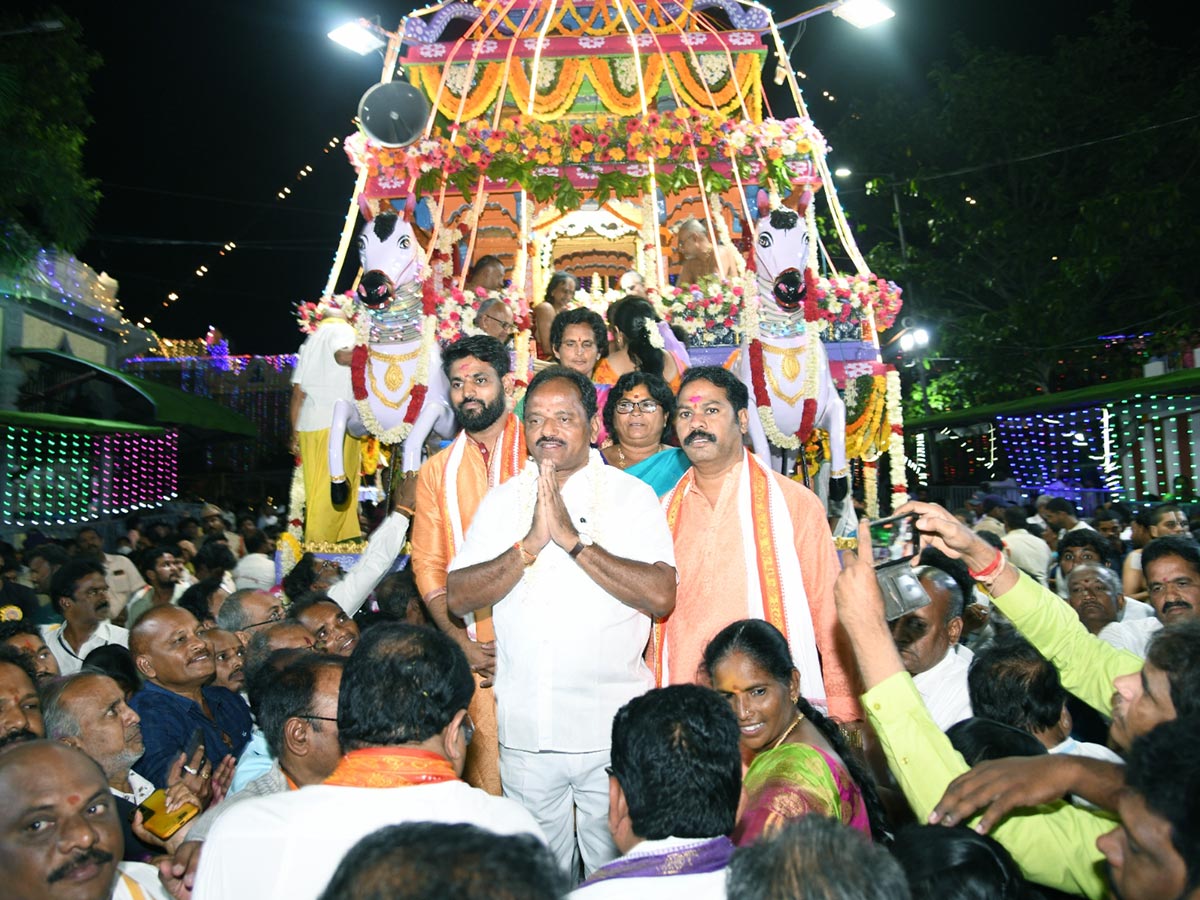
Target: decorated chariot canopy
{"type": "Point", "coordinates": [563, 136]}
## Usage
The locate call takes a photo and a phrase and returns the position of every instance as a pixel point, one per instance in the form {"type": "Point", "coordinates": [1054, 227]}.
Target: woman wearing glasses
{"type": "Point", "coordinates": [637, 415]}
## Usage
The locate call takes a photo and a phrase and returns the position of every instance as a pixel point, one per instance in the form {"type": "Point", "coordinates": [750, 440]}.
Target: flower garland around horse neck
{"type": "Point", "coordinates": [420, 381]}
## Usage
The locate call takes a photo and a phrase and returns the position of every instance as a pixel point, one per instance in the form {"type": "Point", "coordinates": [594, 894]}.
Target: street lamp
{"type": "Point", "coordinates": [859, 13]}
{"type": "Point", "coordinates": [361, 36]}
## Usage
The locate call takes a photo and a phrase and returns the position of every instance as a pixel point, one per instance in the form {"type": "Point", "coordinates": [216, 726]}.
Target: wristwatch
{"type": "Point", "coordinates": [584, 541]}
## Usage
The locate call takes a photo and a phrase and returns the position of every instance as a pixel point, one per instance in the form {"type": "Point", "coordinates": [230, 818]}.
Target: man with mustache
{"type": "Point", "coordinates": [20, 710]}
{"type": "Point", "coordinates": [488, 451]}
{"type": "Point", "coordinates": [1172, 568]}
{"type": "Point", "coordinates": [59, 834]}
{"type": "Point", "coordinates": [87, 711]}
{"type": "Point", "coordinates": [80, 592]}
{"type": "Point", "coordinates": [176, 697]}
{"type": "Point", "coordinates": [575, 560]}
{"type": "Point", "coordinates": [26, 637]}
{"type": "Point", "coordinates": [750, 543]}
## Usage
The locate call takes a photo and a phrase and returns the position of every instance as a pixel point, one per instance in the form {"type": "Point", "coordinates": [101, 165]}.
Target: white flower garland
{"type": "Point", "coordinates": [398, 434]}
{"type": "Point", "coordinates": [653, 334]}
{"type": "Point", "coordinates": [871, 489]}
{"type": "Point", "coordinates": [898, 464]}
{"type": "Point", "coordinates": [296, 501]}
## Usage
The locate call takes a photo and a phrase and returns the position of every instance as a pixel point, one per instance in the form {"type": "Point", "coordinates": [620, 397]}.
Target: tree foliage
{"type": "Point", "coordinates": [45, 196]}
{"type": "Point", "coordinates": [1046, 200]}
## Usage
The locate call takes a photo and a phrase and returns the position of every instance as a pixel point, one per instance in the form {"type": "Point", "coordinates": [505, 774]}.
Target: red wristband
{"type": "Point", "coordinates": [989, 569]}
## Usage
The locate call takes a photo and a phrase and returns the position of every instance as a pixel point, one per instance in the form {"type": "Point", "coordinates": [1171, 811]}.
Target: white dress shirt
{"type": "Point", "coordinates": [1029, 553]}
{"type": "Point", "coordinates": [568, 654]}
{"type": "Point", "coordinates": [944, 687]}
{"type": "Point", "coordinates": [1132, 636]}
{"type": "Point", "coordinates": [68, 660]}
{"type": "Point", "coordinates": [287, 846]}
{"type": "Point", "coordinates": [145, 880]}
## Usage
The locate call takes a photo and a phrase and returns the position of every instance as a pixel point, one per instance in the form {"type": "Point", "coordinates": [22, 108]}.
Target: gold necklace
{"type": "Point", "coordinates": [783, 737]}
{"type": "Point", "coordinates": [791, 359]}
{"type": "Point", "coordinates": [393, 377]}
{"type": "Point", "coordinates": [621, 456]}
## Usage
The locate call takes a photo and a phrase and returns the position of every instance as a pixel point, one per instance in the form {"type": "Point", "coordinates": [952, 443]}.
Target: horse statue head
{"type": "Point", "coordinates": [390, 256]}
{"type": "Point", "coordinates": [781, 256]}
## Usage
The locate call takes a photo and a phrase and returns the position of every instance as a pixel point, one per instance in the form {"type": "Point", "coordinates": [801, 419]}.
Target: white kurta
{"type": "Point", "coordinates": [702, 886]}
{"type": "Point", "coordinates": [944, 687]}
{"type": "Point", "coordinates": [68, 660]}
{"type": "Point", "coordinates": [287, 846]}
{"type": "Point", "coordinates": [320, 376]}
{"type": "Point", "coordinates": [568, 654]}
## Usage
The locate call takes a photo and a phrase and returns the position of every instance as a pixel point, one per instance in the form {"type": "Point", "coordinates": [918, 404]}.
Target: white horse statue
{"type": "Point", "coordinates": [795, 376]}
{"type": "Point", "coordinates": [390, 296]}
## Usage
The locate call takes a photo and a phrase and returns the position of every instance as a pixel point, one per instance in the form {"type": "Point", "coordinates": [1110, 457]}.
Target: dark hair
{"type": "Point", "coordinates": [483, 347]}
{"type": "Point", "coordinates": [1010, 682]}
{"type": "Point", "coordinates": [990, 537]}
{"type": "Point", "coordinates": [403, 684]}
{"type": "Point", "coordinates": [676, 755]}
{"type": "Point", "coordinates": [299, 580]}
{"type": "Point", "coordinates": [10, 654]}
{"type": "Point", "coordinates": [66, 580]}
{"type": "Point", "coordinates": [580, 315]}
{"type": "Point", "coordinates": [418, 860]}
{"type": "Point", "coordinates": [482, 263]}
{"type": "Point", "coordinates": [305, 602]}
{"type": "Point", "coordinates": [1015, 517]}
{"type": "Point", "coordinates": [10, 629]}
{"type": "Point", "coordinates": [735, 391]}
{"type": "Point", "coordinates": [1061, 505]}
{"type": "Point", "coordinates": [1176, 651]}
{"type": "Point", "coordinates": [53, 554]}
{"type": "Point", "coordinates": [214, 555]}
{"type": "Point", "coordinates": [1086, 537]}
{"type": "Point", "coordinates": [555, 280]}
{"type": "Point", "coordinates": [197, 599]}
{"type": "Point", "coordinates": [583, 384]}
{"type": "Point", "coordinates": [117, 663]}
{"type": "Point", "coordinates": [279, 695]}
{"type": "Point", "coordinates": [633, 315]}
{"type": "Point", "coordinates": [816, 858]}
{"type": "Point", "coordinates": [763, 643]}
{"type": "Point", "coordinates": [979, 739]}
{"type": "Point", "coordinates": [957, 864]}
{"type": "Point", "coordinates": [658, 389]}
{"type": "Point", "coordinates": [256, 541]}
{"type": "Point", "coordinates": [1155, 514]}
{"type": "Point", "coordinates": [1171, 545]}
{"type": "Point", "coordinates": [149, 559]}
{"type": "Point", "coordinates": [1106, 515]}
{"type": "Point", "coordinates": [1164, 769]}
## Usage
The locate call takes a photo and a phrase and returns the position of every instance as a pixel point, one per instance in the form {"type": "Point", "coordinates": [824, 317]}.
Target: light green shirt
{"type": "Point", "coordinates": [1086, 664]}
{"type": "Point", "coordinates": [1055, 844]}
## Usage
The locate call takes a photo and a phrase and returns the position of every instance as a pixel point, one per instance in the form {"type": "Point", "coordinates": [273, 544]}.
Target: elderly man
{"type": "Point", "coordinates": [699, 257]}
{"type": "Point", "coordinates": [177, 698]}
{"type": "Point", "coordinates": [244, 612]}
{"type": "Point", "coordinates": [123, 577]}
{"type": "Point", "coordinates": [1094, 592]}
{"type": "Point", "coordinates": [928, 639]}
{"type": "Point", "coordinates": [87, 711]}
{"type": "Point", "coordinates": [667, 738]}
{"type": "Point", "coordinates": [59, 834]}
{"type": "Point", "coordinates": [1172, 569]}
{"type": "Point", "coordinates": [750, 543]}
{"type": "Point", "coordinates": [402, 720]}
{"type": "Point", "coordinates": [80, 592]}
{"type": "Point", "coordinates": [488, 451]}
{"type": "Point", "coordinates": [26, 637]}
{"type": "Point", "coordinates": [164, 583]}
{"type": "Point", "coordinates": [495, 320]}
{"type": "Point", "coordinates": [333, 631]}
{"type": "Point", "coordinates": [570, 529]}
{"type": "Point", "coordinates": [486, 275]}
{"type": "Point", "coordinates": [20, 710]}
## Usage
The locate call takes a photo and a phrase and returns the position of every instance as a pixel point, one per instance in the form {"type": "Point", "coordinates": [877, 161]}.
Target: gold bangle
{"type": "Point", "coordinates": [411, 513]}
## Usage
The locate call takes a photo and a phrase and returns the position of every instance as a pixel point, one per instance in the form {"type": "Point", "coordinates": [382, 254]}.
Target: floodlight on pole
{"type": "Point", "coordinates": [859, 13]}
{"type": "Point", "coordinates": [361, 36]}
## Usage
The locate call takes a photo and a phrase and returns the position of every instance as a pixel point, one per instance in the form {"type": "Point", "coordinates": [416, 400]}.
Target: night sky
{"type": "Point", "coordinates": [203, 111]}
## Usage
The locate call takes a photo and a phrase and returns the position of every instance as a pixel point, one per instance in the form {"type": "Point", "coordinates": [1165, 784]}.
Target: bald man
{"type": "Point", "coordinates": [74, 855]}
{"type": "Point", "coordinates": [177, 665]}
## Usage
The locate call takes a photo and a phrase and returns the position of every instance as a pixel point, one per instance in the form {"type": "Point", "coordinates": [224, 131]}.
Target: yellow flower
{"type": "Point", "coordinates": [493, 144]}
{"type": "Point", "coordinates": [586, 146]}
{"type": "Point", "coordinates": [542, 157]}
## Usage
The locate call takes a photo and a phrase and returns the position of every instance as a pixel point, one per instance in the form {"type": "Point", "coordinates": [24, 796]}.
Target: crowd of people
{"type": "Point", "coordinates": [636, 671]}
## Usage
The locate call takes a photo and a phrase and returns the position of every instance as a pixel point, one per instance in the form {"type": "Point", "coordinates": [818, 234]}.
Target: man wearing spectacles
{"type": "Point", "coordinates": [495, 319]}
{"type": "Point", "coordinates": [80, 593]}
